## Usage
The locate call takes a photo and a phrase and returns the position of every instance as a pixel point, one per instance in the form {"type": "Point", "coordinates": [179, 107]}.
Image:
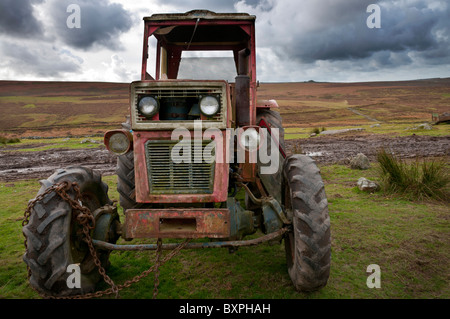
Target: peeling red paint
{"type": "Point", "coordinates": [189, 223]}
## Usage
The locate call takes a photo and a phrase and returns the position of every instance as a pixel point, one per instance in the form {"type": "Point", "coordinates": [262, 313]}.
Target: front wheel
{"type": "Point", "coordinates": [54, 237]}
{"type": "Point", "coordinates": [308, 246]}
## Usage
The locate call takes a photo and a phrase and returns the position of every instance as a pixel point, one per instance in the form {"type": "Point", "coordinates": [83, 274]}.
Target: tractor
{"type": "Point", "coordinates": [195, 137]}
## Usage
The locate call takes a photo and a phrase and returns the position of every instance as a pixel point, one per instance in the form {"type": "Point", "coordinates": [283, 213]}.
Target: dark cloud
{"type": "Point", "coordinates": [101, 23]}
{"type": "Point", "coordinates": [337, 31]}
{"type": "Point", "coordinates": [17, 18]}
{"type": "Point", "coordinates": [325, 39]}
{"type": "Point", "coordinates": [212, 5]}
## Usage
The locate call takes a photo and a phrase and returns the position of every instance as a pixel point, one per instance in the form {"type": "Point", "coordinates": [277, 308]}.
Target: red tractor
{"type": "Point", "coordinates": [196, 136]}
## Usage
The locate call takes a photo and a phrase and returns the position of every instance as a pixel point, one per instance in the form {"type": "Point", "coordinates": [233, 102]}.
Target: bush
{"type": "Point", "coordinates": [315, 130]}
{"type": "Point", "coordinates": [418, 180]}
{"type": "Point", "coordinates": [4, 140]}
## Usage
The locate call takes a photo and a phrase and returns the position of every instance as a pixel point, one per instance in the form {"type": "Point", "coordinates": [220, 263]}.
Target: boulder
{"type": "Point", "coordinates": [345, 130]}
{"type": "Point", "coordinates": [88, 140]}
{"type": "Point", "coordinates": [425, 126]}
{"type": "Point", "coordinates": [360, 161]}
{"type": "Point", "coordinates": [367, 185]}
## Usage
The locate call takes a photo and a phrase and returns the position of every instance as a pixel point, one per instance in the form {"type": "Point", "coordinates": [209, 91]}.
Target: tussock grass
{"type": "Point", "coordinates": [417, 180]}
{"type": "Point", "coordinates": [318, 130]}
{"type": "Point", "coordinates": [4, 140]}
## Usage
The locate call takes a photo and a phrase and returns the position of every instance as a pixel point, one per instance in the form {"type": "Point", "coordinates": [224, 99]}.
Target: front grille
{"type": "Point", "coordinates": [167, 177]}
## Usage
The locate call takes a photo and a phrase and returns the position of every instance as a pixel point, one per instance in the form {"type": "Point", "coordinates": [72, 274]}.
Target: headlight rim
{"type": "Point", "coordinates": [128, 135]}
{"type": "Point", "coordinates": [216, 97]}
{"type": "Point", "coordinates": [152, 114]}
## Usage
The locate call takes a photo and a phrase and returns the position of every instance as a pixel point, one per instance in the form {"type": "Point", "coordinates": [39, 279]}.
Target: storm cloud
{"type": "Point", "coordinates": [323, 40]}
{"type": "Point", "coordinates": [314, 30]}
{"type": "Point", "coordinates": [101, 23]}
{"type": "Point", "coordinates": [17, 18]}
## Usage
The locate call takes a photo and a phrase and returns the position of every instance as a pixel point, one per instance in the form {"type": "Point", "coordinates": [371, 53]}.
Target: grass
{"type": "Point", "coordinates": [396, 129]}
{"type": "Point", "coordinates": [36, 145]}
{"type": "Point", "coordinates": [408, 240]}
{"type": "Point", "coordinates": [426, 179]}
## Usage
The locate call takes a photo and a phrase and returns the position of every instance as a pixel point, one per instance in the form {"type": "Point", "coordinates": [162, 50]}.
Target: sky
{"type": "Point", "coordinates": [297, 40]}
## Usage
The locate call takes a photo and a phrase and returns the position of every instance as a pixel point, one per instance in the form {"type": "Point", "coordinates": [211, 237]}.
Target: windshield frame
{"type": "Point", "coordinates": [168, 52]}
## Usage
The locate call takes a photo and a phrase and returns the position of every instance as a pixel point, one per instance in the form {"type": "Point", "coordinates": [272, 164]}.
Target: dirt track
{"type": "Point", "coordinates": [19, 165]}
{"type": "Point", "coordinates": [340, 149]}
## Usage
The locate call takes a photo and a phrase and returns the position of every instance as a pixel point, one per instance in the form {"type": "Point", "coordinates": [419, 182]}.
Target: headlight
{"type": "Point", "coordinates": [250, 139]}
{"type": "Point", "coordinates": [148, 106]}
{"type": "Point", "coordinates": [209, 105]}
{"type": "Point", "coordinates": [118, 141]}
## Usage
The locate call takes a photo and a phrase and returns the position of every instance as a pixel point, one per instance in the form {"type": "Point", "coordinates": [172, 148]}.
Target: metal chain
{"type": "Point", "coordinates": [87, 220]}
{"type": "Point", "coordinates": [157, 264]}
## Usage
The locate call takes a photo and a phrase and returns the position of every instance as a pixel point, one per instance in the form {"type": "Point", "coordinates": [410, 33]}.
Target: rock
{"type": "Point", "coordinates": [88, 140]}
{"type": "Point", "coordinates": [425, 126]}
{"type": "Point", "coordinates": [360, 161]}
{"type": "Point", "coordinates": [375, 125]}
{"type": "Point", "coordinates": [332, 132]}
{"type": "Point", "coordinates": [367, 185]}
{"type": "Point", "coordinates": [312, 134]}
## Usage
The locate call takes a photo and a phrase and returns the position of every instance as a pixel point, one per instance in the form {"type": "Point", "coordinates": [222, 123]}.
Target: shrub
{"type": "Point", "coordinates": [4, 140]}
{"type": "Point", "coordinates": [417, 180]}
{"type": "Point", "coordinates": [315, 130]}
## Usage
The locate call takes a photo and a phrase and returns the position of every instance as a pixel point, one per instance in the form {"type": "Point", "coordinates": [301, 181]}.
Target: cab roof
{"type": "Point", "coordinates": [199, 14]}
{"type": "Point", "coordinates": [202, 28]}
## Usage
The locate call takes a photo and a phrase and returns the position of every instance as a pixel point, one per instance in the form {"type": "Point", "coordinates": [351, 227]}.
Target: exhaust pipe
{"type": "Point", "coordinates": [242, 89]}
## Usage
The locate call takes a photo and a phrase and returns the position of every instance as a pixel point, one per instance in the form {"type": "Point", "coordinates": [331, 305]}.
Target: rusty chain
{"type": "Point", "coordinates": [157, 264]}
{"type": "Point", "coordinates": [87, 220]}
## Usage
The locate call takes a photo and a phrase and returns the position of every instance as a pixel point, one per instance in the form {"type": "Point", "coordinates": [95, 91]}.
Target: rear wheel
{"type": "Point", "coordinates": [274, 121]}
{"type": "Point", "coordinates": [308, 246]}
{"type": "Point", "coordinates": [55, 238]}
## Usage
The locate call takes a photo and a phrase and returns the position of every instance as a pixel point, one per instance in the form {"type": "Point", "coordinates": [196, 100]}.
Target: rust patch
{"type": "Point", "coordinates": [177, 223]}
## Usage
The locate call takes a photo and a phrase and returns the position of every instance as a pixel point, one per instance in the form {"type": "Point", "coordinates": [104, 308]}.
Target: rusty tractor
{"type": "Point", "coordinates": [196, 136]}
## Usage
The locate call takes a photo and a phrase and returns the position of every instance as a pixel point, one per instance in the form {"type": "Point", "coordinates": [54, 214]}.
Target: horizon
{"type": "Point", "coordinates": [261, 82]}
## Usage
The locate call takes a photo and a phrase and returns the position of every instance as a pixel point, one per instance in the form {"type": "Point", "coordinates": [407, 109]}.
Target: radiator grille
{"type": "Point", "coordinates": [167, 177]}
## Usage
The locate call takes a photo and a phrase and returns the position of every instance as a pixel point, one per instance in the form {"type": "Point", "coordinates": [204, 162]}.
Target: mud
{"type": "Point", "coordinates": [20, 164]}
{"type": "Point", "coordinates": [330, 149]}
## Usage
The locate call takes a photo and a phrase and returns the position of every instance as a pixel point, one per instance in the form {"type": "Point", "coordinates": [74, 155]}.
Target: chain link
{"type": "Point", "coordinates": [157, 264]}
{"type": "Point", "coordinates": [87, 220]}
